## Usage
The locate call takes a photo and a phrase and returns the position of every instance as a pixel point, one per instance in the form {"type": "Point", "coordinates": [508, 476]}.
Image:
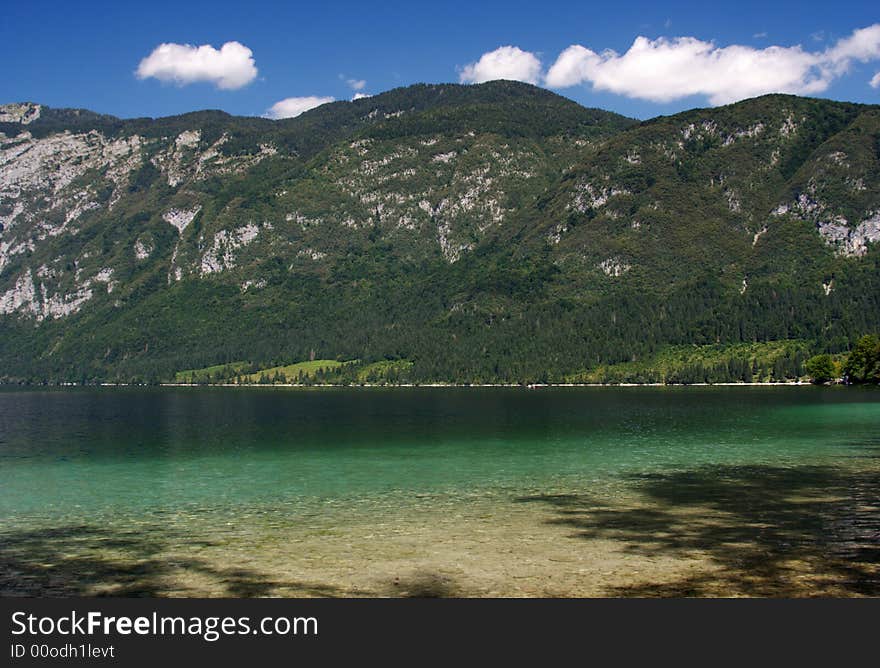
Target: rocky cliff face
{"type": "Point", "coordinates": [502, 196]}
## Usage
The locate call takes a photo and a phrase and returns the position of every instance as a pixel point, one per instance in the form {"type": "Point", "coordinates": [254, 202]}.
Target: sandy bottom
{"type": "Point", "coordinates": [748, 532]}
{"type": "Point", "coordinates": [478, 552]}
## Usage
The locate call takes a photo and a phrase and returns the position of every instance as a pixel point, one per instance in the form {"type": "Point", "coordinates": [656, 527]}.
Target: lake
{"type": "Point", "coordinates": [261, 491]}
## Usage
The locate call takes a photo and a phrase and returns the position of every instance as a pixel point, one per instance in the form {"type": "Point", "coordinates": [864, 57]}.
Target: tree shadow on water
{"type": "Point", "coordinates": [87, 560]}
{"type": "Point", "coordinates": [760, 530]}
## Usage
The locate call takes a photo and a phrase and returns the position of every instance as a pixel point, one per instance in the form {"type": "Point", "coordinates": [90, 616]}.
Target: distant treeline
{"type": "Point", "coordinates": [773, 362]}
{"type": "Point", "coordinates": [770, 362]}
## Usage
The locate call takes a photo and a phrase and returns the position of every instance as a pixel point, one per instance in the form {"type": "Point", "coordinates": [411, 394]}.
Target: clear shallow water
{"type": "Point", "coordinates": [226, 457]}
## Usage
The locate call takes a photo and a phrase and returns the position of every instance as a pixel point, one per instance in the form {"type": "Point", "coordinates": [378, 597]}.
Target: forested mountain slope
{"type": "Point", "coordinates": [495, 232]}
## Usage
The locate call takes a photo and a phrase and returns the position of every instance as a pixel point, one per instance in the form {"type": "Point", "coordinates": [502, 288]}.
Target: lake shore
{"type": "Point", "coordinates": [529, 386]}
{"type": "Point", "coordinates": [436, 385]}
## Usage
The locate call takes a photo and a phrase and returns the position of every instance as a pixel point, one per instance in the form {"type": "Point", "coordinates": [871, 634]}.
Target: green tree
{"type": "Point", "coordinates": [863, 363]}
{"type": "Point", "coordinates": [821, 368]}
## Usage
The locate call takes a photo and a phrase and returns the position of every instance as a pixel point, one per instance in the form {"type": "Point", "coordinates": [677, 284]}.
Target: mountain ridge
{"type": "Point", "coordinates": [460, 92]}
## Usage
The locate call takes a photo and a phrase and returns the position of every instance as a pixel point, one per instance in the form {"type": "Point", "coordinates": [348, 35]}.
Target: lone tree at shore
{"type": "Point", "coordinates": [822, 369]}
{"type": "Point", "coordinates": [863, 363]}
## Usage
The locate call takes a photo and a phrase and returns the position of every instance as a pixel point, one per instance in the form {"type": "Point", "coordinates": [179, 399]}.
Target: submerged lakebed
{"type": "Point", "coordinates": [205, 491]}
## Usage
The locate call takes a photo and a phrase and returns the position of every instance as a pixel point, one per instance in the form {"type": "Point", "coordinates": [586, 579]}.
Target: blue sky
{"type": "Point", "coordinates": [86, 54]}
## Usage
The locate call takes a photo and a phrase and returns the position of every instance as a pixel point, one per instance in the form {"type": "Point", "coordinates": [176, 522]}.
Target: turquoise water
{"type": "Point", "coordinates": [108, 456]}
{"type": "Point", "coordinates": [130, 450]}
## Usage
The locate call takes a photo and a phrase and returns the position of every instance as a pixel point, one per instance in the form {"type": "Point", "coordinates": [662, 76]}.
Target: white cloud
{"type": "Point", "coordinates": [360, 96]}
{"type": "Point", "coordinates": [863, 45]}
{"type": "Point", "coordinates": [875, 81]}
{"type": "Point", "coordinates": [230, 67]}
{"type": "Point", "coordinates": [354, 84]}
{"type": "Point", "coordinates": [294, 106]}
{"type": "Point", "coordinates": [664, 69]}
{"type": "Point", "coordinates": [506, 62]}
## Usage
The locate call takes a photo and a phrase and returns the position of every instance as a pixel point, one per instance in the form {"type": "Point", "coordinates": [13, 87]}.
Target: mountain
{"type": "Point", "coordinates": [496, 232]}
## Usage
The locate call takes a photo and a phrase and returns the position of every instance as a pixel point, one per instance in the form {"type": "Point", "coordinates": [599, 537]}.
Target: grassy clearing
{"type": "Point", "coordinates": [322, 371]}
{"type": "Point", "coordinates": [210, 373]}
{"type": "Point", "coordinates": [386, 370]}
{"type": "Point", "coordinates": [292, 372]}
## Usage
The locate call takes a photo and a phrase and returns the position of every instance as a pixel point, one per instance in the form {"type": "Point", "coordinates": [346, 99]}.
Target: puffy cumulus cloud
{"type": "Point", "coordinates": [664, 69]}
{"type": "Point", "coordinates": [229, 67]}
{"type": "Point", "coordinates": [863, 45]}
{"type": "Point", "coordinates": [360, 96]}
{"type": "Point", "coordinates": [506, 62]}
{"type": "Point", "coordinates": [294, 106]}
{"type": "Point", "coordinates": [875, 81]}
